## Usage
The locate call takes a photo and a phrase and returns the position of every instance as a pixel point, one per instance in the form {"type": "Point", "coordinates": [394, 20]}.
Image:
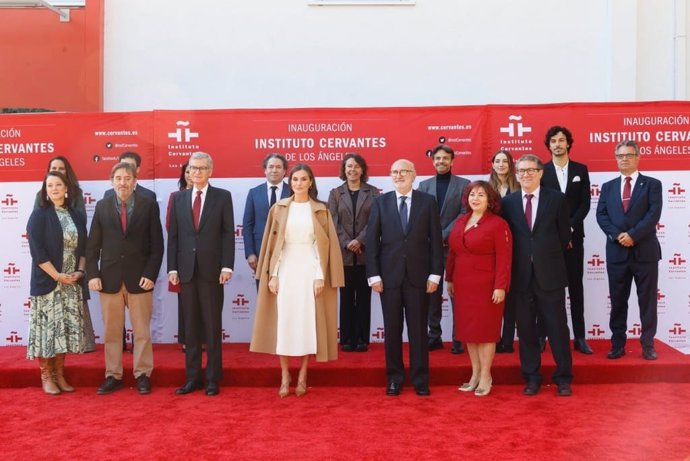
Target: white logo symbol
{"type": "Point", "coordinates": [181, 135]}
{"type": "Point", "coordinates": [510, 129]}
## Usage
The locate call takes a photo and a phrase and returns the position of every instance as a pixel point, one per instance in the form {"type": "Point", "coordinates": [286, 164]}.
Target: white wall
{"type": "Point", "coordinates": [208, 54]}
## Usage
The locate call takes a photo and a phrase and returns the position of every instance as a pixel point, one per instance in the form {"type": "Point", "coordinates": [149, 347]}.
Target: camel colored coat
{"type": "Point", "coordinates": [265, 321]}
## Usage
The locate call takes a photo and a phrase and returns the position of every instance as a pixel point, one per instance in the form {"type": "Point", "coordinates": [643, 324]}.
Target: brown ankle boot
{"type": "Point", "coordinates": [49, 386]}
{"type": "Point", "coordinates": [58, 374]}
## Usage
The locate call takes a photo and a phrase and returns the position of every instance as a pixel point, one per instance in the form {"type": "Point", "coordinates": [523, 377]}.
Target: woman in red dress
{"type": "Point", "coordinates": [478, 272]}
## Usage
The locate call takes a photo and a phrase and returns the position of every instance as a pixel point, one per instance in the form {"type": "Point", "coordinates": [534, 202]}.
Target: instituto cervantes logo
{"type": "Point", "coordinates": [596, 331]}
{"type": "Point", "coordinates": [9, 200]}
{"type": "Point", "coordinates": [240, 307]}
{"type": "Point", "coordinates": [660, 301]}
{"type": "Point", "coordinates": [9, 207]}
{"type": "Point", "coordinates": [677, 334]}
{"type": "Point", "coordinates": [677, 267]}
{"type": "Point", "coordinates": [636, 330]}
{"type": "Point", "coordinates": [13, 338]}
{"type": "Point", "coordinates": [183, 133]}
{"type": "Point", "coordinates": [596, 267]}
{"type": "Point", "coordinates": [676, 196]}
{"type": "Point", "coordinates": [513, 135]}
{"type": "Point", "coordinates": [378, 335]}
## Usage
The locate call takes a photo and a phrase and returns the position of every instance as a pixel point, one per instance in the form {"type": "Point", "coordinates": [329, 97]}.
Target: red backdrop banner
{"type": "Point", "coordinates": [239, 139]}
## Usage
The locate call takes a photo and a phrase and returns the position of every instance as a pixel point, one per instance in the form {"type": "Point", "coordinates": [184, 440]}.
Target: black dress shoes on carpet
{"type": "Point", "coordinates": [109, 386]}
{"type": "Point", "coordinates": [422, 391]}
{"type": "Point", "coordinates": [457, 348]}
{"type": "Point", "coordinates": [393, 389]}
{"type": "Point", "coordinates": [616, 352]}
{"type": "Point", "coordinates": [648, 353]}
{"type": "Point", "coordinates": [531, 389]}
{"type": "Point", "coordinates": [581, 345]}
{"type": "Point", "coordinates": [361, 347]}
{"type": "Point", "coordinates": [143, 385]}
{"type": "Point", "coordinates": [347, 348]}
{"type": "Point", "coordinates": [435, 344]}
{"type": "Point", "coordinates": [564, 390]}
{"type": "Point", "coordinates": [189, 386]}
{"type": "Point", "coordinates": [212, 389]}
{"type": "Point", "coordinates": [542, 343]}
{"type": "Point", "coordinates": [504, 348]}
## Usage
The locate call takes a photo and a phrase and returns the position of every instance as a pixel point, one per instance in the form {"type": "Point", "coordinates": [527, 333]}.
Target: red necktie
{"type": "Point", "coordinates": [528, 210]}
{"type": "Point", "coordinates": [123, 215]}
{"type": "Point", "coordinates": [196, 210]}
{"type": "Point", "coordinates": [626, 193]}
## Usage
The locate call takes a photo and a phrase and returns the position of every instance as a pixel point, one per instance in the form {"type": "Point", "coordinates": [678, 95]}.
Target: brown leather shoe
{"type": "Point", "coordinates": [46, 366]}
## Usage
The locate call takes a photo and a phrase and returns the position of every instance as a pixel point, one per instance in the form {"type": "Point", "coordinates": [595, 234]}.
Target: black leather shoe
{"type": "Point", "coordinates": [457, 348]}
{"type": "Point", "coordinates": [564, 390]}
{"type": "Point", "coordinates": [616, 353]}
{"type": "Point", "coordinates": [542, 344]}
{"type": "Point", "coordinates": [531, 389]}
{"type": "Point", "coordinates": [143, 385]}
{"type": "Point", "coordinates": [422, 391]}
{"type": "Point", "coordinates": [189, 386]}
{"type": "Point", "coordinates": [435, 344]}
{"type": "Point", "coordinates": [648, 353]}
{"type": "Point", "coordinates": [504, 348]}
{"type": "Point", "coordinates": [212, 388]}
{"type": "Point", "coordinates": [347, 348]}
{"type": "Point", "coordinates": [362, 347]}
{"type": "Point", "coordinates": [581, 345]}
{"type": "Point", "coordinates": [109, 386]}
{"type": "Point", "coordinates": [393, 388]}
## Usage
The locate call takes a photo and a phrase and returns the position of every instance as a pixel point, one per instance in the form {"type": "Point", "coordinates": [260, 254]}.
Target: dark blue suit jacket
{"type": "Point", "coordinates": [210, 248]}
{"type": "Point", "coordinates": [116, 257]}
{"type": "Point", "coordinates": [543, 248]}
{"type": "Point", "coordinates": [639, 222]}
{"type": "Point", "coordinates": [255, 215]}
{"type": "Point", "coordinates": [393, 253]}
{"type": "Point", "coordinates": [46, 244]}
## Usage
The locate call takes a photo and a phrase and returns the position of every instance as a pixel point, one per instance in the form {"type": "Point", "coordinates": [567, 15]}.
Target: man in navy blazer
{"type": "Point", "coordinates": [201, 256]}
{"type": "Point", "coordinates": [259, 200]}
{"type": "Point", "coordinates": [628, 212]}
{"type": "Point", "coordinates": [123, 257]}
{"type": "Point", "coordinates": [447, 189]}
{"type": "Point", "coordinates": [404, 265]}
{"type": "Point", "coordinates": [571, 178]}
{"type": "Point", "coordinates": [538, 219]}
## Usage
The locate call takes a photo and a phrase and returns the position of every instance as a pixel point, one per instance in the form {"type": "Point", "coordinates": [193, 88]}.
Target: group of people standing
{"type": "Point", "coordinates": [506, 247]}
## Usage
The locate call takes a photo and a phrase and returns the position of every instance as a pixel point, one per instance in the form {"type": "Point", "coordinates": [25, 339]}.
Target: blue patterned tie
{"type": "Point", "coordinates": [403, 213]}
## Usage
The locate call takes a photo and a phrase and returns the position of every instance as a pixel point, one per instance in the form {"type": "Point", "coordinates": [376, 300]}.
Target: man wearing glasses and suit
{"type": "Point", "coordinates": [538, 219]}
{"type": "Point", "coordinates": [628, 211]}
{"type": "Point", "coordinates": [404, 265]}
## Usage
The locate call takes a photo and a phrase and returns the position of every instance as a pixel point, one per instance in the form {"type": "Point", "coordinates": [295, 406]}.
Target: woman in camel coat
{"type": "Point", "coordinates": [274, 256]}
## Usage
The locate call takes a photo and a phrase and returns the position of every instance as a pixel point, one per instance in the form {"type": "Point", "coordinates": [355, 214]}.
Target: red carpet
{"type": "Point", "coordinates": [628, 409]}
{"type": "Point", "coordinates": [244, 368]}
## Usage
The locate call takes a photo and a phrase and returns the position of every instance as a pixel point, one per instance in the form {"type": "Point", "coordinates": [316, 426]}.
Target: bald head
{"type": "Point", "coordinates": [403, 175]}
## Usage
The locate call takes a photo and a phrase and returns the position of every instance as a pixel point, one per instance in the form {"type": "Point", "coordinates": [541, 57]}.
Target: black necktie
{"type": "Point", "coordinates": [273, 195]}
{"type": "Point", "coordinates": [403, 213]}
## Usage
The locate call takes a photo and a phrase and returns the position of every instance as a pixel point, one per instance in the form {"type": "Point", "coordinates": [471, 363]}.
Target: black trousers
{"type": "Point", "coordinates": [550, 306]}
{"type": "Point", "coordinates": [407, 304]}
{"type": "Point", "coordinates": [621, 276]}
{"type": "Point", "coordinates": [355, 307]}
{"type": "Point", "coordinates": [202, 306]}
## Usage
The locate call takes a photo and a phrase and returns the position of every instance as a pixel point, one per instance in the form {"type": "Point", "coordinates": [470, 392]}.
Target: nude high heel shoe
{"type": "Point", "coordinates": [301, 388]}
{"type": "Point", "coordinates": [284, 388]}
{"type": "Point", "coordinates": [483, 391]}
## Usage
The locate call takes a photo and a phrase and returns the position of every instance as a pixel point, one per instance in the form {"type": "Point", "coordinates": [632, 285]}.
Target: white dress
{"type": "Point", "coordinates": [297, 269]}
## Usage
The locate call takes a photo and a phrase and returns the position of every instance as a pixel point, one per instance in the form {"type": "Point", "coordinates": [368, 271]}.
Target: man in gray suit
{"type": "Point", "coordinates": [448, 190]}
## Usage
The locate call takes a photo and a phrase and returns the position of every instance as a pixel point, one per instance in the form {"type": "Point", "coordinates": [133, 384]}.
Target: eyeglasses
{"type": "Point", "coordinates": [193, 168]}
{"type": "Point", "coordinates": [625, 156]}
{"type": "Point", "coordinates": [527, 171]}
{"type": "Point", "coordinates": [402, 173]}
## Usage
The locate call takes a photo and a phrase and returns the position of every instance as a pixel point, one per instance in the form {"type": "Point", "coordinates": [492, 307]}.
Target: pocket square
{"type": "Point", "coordinates": [576, 179]}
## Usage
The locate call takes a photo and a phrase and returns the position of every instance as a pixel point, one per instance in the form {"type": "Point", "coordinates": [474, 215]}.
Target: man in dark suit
{"type": "Point", "coordinates": [447, 189]}
{"type": "Point", "coordinates": [123, 256]}
{"type": "Point", "coordinates": [201, 256]}
{"type": "Point", "coordinates": [538, 219]}
{"type": "Point", "coordinates": [404, 265]}
{"type": "Point", "coordinates": [628, 212]}
{"type": "Point", "coordinates": [135, 160]}
{"type": "Point", "coordinates": [259, 200]}
{"type": "Point", "coordinates": [571, 178]}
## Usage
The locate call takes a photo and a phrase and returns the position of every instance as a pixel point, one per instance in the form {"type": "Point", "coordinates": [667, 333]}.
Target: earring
{"type": "Point", "coordinates": [66, 195]}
